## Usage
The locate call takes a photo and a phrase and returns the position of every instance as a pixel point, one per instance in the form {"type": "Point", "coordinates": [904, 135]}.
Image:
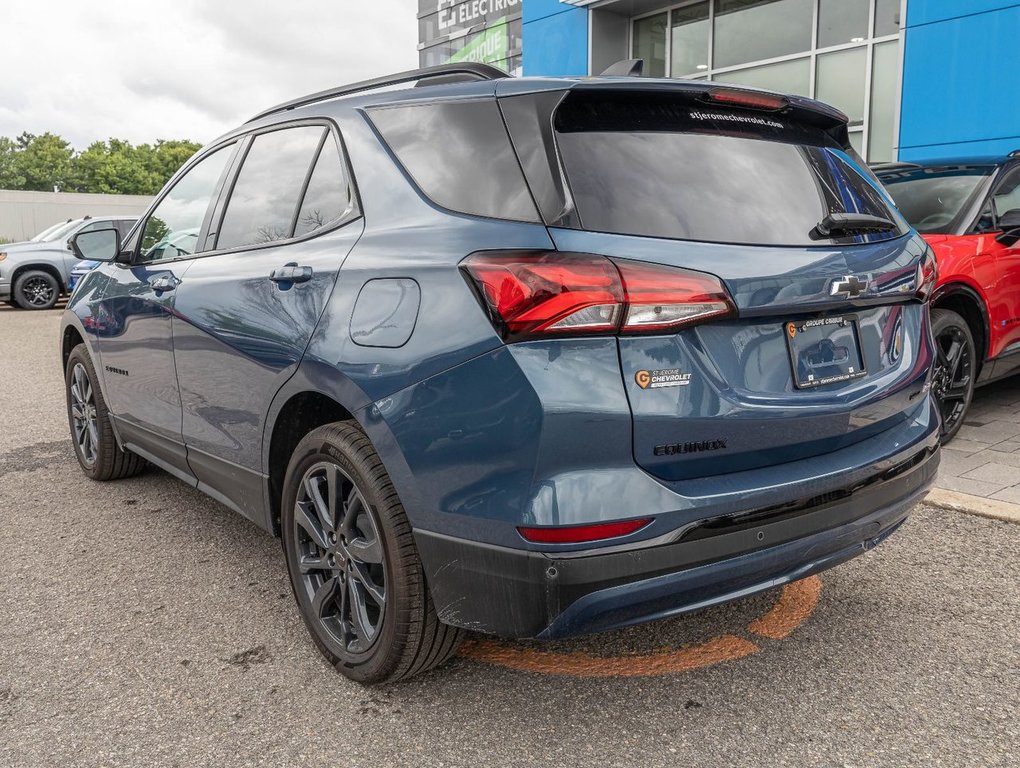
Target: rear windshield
{"type": "Point", "coordinates": [670, 169]}
{"type": "Point", "coordinates": [931, 199]}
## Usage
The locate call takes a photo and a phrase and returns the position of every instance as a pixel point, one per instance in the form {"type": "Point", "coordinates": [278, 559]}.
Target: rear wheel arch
{"type": "Point", "coordinates": [302, 413]}
{"type": "Point", "coordinates": [968, 304]}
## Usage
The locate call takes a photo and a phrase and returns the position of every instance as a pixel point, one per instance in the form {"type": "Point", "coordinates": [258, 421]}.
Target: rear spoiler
{"type": "Point", "coordinates": [534, 109]}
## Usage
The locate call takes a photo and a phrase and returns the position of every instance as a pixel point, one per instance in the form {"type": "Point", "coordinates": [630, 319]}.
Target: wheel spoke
{"type": "Point", "coordinates": [373, 590]}
{"type": "Point", "coordinates": [93, 432]}
{"type": "Point", "coordinates": [310, 563]}
{"type": "Point", "coordinates": [314, 490]}
{"type": "Point", "coordinates": [352, 507]}
{"type": "Point", "coordinates": [325, 596]}
{"type": "Point", "coordinates": [309, 522]}
{"type": "Point", "coordinates": [366, 550]}
{"type": "Point", "coordinates": [356, 608]}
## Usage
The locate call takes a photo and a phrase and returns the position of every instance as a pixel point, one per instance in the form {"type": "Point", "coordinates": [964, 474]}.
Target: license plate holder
{"type": "Point", "coordinates": [825, 350]}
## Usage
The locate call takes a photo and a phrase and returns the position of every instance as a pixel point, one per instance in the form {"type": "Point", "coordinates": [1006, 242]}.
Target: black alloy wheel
{"type": "Point", "coordinates": [354, 564]}
{"type": "Point", "coordinates": [84, 419]}
{"type": "Point", "coordinates": [341, 558]}
{"type": "Point", "coordinates": [955, 369]}
{"type": "Point", "coordinates": [95, 444]}
{"type": "Point", "coordinates": [36, 290]}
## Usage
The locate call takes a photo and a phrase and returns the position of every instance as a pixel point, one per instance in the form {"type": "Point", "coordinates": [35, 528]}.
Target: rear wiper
{"type": "Point", "coordinates": [851, 224]}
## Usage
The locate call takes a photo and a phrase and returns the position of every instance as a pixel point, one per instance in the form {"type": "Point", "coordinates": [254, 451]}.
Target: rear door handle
{"type": "Point", "coordinates": [164, 282]}
{"type": "Point", "coordinates": [291, 273]}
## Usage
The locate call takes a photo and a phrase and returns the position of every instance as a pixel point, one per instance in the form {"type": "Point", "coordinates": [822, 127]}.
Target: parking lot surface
{"type": "Point", "coordinates": [142, 623]}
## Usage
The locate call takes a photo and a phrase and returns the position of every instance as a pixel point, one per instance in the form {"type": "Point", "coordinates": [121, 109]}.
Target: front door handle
{"type": "Point", "coordinates": [291, 273]}
{"type": "Point", "coordinates": [164, 282]}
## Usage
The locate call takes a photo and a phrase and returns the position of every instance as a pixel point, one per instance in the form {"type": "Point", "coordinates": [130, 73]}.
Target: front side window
{"type": "Point", "coordinates": [269, 187]}
{"type": "Point", "coordinates": [1007, 196]}
{"type": "Point", "coordinates": [172, 229]}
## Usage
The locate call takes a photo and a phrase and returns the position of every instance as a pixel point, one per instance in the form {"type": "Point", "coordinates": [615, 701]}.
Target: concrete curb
{"type": "Point", "coordinates": [974, 505]}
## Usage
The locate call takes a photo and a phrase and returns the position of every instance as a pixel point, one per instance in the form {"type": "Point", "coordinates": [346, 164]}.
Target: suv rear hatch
{"type": "Point", "coordinates": [826, 342]}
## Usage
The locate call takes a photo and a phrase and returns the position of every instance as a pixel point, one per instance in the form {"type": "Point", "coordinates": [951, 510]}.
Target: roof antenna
{"type": "Point", "coordinates": [625, 68]}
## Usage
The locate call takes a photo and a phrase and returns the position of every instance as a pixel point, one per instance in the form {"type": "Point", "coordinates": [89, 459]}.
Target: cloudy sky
{"type": "Point", "coordinates": [185, 69]}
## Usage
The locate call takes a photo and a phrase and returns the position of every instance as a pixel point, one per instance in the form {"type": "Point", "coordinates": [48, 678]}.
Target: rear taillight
{"type": "Point", "coordinates": [580, 534]}
{"type": "Point", "coordinates": [927, 275]}
{"type": "Point", "coordinates": [552, 293]}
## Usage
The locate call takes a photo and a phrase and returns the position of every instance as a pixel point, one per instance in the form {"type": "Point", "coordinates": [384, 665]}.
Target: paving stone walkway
{"type": "Point", "coordinates": [984, 459]}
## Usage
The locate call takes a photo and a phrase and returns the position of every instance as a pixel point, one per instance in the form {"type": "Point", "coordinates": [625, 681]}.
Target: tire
{"type": "Point", "coordinates": [36, 290]}
{"type": "Point", "coordinates": [347, 542]}
{"type": "Point", "coordinates": [95, 447]}
{"type": "Point", "coordinates": [14, 303]}
{"type": "Point", "coordinates": [955, 369]}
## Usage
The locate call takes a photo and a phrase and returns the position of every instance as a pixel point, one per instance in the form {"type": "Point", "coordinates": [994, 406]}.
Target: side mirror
{"type": "Point", "coordinates": [1009, 223]}
{"type": "Point", "coordinates": [97, 245]}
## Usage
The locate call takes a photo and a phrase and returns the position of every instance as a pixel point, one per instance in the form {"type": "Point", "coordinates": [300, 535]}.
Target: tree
{"type": "Point", "coordinates": [10, 175]}
{"type": "Point", "coordinates": [45, 162]}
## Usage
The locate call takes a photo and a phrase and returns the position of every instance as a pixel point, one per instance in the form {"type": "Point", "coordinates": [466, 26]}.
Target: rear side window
{"type": "Point", "coordinates": [459, 155]}
{"type": "Point", "coordinates": [658, 168]}
{"type": "Point", "coordinates": [329, 196]}
{"type": "Point", "coordinates": [268, 189]}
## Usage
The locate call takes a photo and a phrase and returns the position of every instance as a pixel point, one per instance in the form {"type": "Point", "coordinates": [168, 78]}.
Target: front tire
{"type": "Point", "coordinates": [92, 435]}
{"type": "Point", "coordinates": [36, 290]}
{"type": "Point", "coordinates": [955, 369]}
{"type": "Point", "coordinates": [353, 563]}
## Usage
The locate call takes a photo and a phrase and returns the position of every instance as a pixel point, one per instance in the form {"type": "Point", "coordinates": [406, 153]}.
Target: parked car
{"type": "Point", "coordinates": [34, 274]}
{"type": "Point", "coordinates": [529, 357]}
{"type": "Point", "coordinates": [969, 212]}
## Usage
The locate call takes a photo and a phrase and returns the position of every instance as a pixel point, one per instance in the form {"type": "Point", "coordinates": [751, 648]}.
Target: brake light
{"type": "Point", "coordinates": [748, 99]}
{"type": "Point", "coordinates": [532, 294]}
{"type": "Point", "coordinates": [927, 275]}
{"type": "Point", "coordinates": [579, 534]}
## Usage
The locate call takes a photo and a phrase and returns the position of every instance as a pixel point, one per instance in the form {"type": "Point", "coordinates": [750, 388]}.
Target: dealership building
{"type": "Point", "coordinates": [918, 78]}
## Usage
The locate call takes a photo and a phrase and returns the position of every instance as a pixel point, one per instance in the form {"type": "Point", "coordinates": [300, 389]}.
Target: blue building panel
{"type": "Point", "coordinates": [931, 11]}
{"type": "Point", "coordinates": [961, 90]}
{"type": "Point", "coordinates": [557, 39]}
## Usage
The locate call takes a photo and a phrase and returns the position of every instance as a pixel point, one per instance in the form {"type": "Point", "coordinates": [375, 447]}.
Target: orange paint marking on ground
{"type": "Point", "coordinates": [797, 602]}
{"type": "Point", "coordinates": [714, 651]}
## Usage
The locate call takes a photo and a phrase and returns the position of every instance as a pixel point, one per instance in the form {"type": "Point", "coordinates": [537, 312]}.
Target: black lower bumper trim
{"type": "Point", "coordinates": [516, 593]}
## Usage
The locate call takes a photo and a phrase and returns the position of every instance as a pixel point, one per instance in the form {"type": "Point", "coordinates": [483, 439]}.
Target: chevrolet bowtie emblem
{"type": "Point", "coordinates": [849, 286]}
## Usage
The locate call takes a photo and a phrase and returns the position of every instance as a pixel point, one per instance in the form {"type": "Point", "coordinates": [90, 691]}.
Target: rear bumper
{"type": "Point", "coordinates": [515, 593]}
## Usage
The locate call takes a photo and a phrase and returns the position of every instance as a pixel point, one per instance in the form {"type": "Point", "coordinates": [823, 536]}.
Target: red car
{"type": "Point", "coordinates": [969, 212]}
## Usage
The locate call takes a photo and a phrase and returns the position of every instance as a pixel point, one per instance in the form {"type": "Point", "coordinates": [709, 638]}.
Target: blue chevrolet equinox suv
{"type": "Point", "coordinates": [526, 357]}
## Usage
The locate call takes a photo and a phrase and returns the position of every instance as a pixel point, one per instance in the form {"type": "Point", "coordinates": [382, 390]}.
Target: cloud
{"type": "Point", "coordinates": [186, 69]}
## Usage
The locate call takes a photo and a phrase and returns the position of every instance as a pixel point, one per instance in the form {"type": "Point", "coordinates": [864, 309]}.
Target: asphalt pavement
{"type": "Point", "coordinates": [143, 624]}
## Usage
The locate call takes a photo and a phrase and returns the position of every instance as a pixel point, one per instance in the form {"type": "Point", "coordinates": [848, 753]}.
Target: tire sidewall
{"type": "Point", "coordinates": [943, 319]}
{"type": "Point", "coordinates": [385, 653]}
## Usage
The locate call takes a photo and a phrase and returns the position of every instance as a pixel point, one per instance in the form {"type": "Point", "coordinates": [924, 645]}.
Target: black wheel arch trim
{"type": "Point", "coordinates": [958, 289]}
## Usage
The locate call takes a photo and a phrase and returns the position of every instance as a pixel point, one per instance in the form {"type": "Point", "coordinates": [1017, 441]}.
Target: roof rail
{"type": "Point", "coordinates": [445, 72]}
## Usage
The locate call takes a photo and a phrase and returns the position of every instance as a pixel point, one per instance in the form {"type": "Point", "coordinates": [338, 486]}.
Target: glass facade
{"type": "Point", "coordinates": [453, 31]}
{"type": "Point", "coordinates": [844, 52]}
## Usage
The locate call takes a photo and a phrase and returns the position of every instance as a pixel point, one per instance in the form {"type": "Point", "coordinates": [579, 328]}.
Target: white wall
{"type": "Point", "coordinates": [24, 214]}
